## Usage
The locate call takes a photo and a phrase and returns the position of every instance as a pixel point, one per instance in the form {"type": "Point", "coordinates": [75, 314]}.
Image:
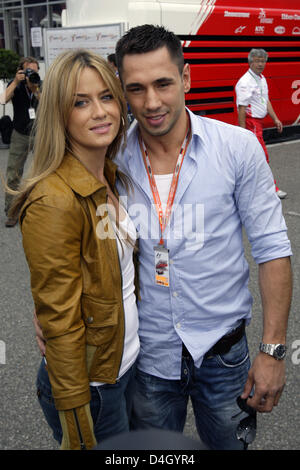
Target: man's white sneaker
{"type": "Point", "coordinates": [281, 194]}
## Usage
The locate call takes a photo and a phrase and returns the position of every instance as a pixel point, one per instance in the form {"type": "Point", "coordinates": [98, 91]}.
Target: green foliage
{"type": "Point", "coordinates": [9, 61]}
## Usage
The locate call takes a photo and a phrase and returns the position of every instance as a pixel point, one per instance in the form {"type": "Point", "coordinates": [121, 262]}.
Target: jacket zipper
{"type": "Point", "coordinates": [82, 444]}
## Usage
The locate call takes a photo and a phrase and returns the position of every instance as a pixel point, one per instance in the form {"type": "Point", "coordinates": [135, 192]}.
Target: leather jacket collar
{"type": "Point", "coordinates": [75, 175]}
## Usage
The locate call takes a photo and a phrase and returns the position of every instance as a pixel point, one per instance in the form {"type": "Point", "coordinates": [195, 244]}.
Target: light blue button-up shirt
{"type": "Point", "coordinates": [225, 183]}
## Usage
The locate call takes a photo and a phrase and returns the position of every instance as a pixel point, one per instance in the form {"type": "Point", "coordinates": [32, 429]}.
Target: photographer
{"type": "Point", "coordinates": [24, 92]}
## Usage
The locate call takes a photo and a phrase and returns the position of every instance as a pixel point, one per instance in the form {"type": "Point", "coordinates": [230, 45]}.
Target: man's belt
{"type": "Point", "coordinates": [224, 344]}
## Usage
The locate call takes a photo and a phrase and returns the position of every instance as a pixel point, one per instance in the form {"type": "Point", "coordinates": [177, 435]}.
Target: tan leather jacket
{"type": "Point", "coordinates": [75, 280]}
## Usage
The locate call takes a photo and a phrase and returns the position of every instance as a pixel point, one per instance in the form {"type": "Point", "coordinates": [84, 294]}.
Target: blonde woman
{"type": "Point", "coordinates": [80, 259]}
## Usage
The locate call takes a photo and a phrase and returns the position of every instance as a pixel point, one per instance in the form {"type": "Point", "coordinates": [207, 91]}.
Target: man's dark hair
{"type": "Point", "coordinates": [112, 58]}
{"type": "Point", "coordinates": [29, 60]}
{"type": "Point", "coordinates": [148, 38]}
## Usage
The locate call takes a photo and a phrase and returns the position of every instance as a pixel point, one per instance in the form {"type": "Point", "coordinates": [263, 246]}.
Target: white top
{"type": "Point", "coordinates": [125, 251]}
{"type": "Point", "coordinates": [163, 183]}
{"type": "Point", "coordinates": [252, 91]}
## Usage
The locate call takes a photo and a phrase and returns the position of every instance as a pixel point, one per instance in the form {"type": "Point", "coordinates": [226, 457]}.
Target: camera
{"type": "Point", "coordinates": [33, 76]}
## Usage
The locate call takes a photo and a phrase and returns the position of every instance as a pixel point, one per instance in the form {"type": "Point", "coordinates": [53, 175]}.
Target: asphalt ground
{"type": "Point", "coordinates": [22, 425]}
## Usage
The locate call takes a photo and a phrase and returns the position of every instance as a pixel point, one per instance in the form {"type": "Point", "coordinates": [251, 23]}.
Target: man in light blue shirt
{"type": "Point", "coordinates": [216, 195]}
{"type": "Point", "coordinates": [196, 182]}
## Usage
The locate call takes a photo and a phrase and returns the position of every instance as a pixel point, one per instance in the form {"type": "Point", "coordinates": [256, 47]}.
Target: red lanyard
{"type": "Point", "coordinates": [164, 219]}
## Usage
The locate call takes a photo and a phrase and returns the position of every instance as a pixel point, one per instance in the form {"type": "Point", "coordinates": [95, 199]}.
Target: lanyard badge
{"type": "Point", "coordinates": [161, 253]}
{"type": "Point", "coordinates": [161, 259]}
{"type": "Point", "coordinates": [258, 81]}
{"type": "Point", "coordinates": [31, 112]}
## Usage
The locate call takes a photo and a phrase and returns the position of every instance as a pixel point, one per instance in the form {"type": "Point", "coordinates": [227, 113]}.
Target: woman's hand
{"type": "Point", "coordinates": [39, 335]}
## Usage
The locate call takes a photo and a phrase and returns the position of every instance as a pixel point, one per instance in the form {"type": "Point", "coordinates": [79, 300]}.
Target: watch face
{"type": "Point", "coordinates": [280, 351]}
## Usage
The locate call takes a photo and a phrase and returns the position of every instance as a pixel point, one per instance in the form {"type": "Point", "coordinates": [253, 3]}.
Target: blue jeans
{"type": "Point", "coordinates": [213, 389]}
{"type": "Point", "coordinates": [110, 405]}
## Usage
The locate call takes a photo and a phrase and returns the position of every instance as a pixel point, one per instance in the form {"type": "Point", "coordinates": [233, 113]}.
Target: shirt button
{"type": "Point", "coordinates": [178, 325]}
{"type": "Point", "coordinates": [90, 320]}
{"type": "Point", "coordinates": [175, 294]}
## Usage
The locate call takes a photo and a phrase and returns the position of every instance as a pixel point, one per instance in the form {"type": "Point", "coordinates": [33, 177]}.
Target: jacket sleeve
{"type": "Point", "coordinates": [52, 241]}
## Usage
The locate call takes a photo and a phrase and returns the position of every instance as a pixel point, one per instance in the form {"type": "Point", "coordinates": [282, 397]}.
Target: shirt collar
{"type": "Point", "coordinates": [196, 125]}
{"type": "Point", "coordinates": [254, 75]}
{"type": "Point", "coordinates": [132, 139]}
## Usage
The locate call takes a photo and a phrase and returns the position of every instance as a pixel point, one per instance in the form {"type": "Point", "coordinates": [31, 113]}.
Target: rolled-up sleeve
{"type": "Point", "coordinates": [243, 94]}
{"type": "Point", "coordinates": [3, 97]}
{"type": "Point", "coordinates": [52, 241]}
{"type": "Point", "coordinates": [259, 207]}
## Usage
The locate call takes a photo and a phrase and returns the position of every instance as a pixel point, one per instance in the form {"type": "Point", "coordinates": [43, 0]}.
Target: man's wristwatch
{"type": "Point", "coordinates": [278, 351]}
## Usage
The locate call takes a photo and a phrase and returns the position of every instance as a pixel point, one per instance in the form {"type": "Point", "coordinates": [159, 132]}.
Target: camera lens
{"type": "Point", "coordinates": [34, 78]}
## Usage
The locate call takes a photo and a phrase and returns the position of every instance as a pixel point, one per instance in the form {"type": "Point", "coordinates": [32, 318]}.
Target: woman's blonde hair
{"type": "Point", "coordinates": [51, 141]}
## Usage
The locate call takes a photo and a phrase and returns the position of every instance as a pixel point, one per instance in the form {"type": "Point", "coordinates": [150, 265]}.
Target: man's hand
{"type": "Point", "coordinates": [35, 89]}
{"type": "Point", "coordinates": [20, 76]}
{"type": "Point", "coordinates": [278, 125]}
{"type": "Point", "coordinates": [267, 375]}
{"type": "Point", "coordinates": [39, 335]}
{"type": "Point", "coordinates": [273, 115]}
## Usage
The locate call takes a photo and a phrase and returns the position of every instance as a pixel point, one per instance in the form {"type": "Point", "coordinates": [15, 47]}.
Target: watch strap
{"type": "Point", "coordinates": [273, 349]}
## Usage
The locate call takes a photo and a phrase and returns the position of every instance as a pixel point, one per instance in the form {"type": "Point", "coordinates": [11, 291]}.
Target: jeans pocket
{"type": "Point", "coordinates": [237, 356]}
{"type": "Point", "coordinates": [47, 405]}
{"type": "Point", "coordinates": [46, 401]}
{"type": "Point", "coordinates": [96, 404]}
